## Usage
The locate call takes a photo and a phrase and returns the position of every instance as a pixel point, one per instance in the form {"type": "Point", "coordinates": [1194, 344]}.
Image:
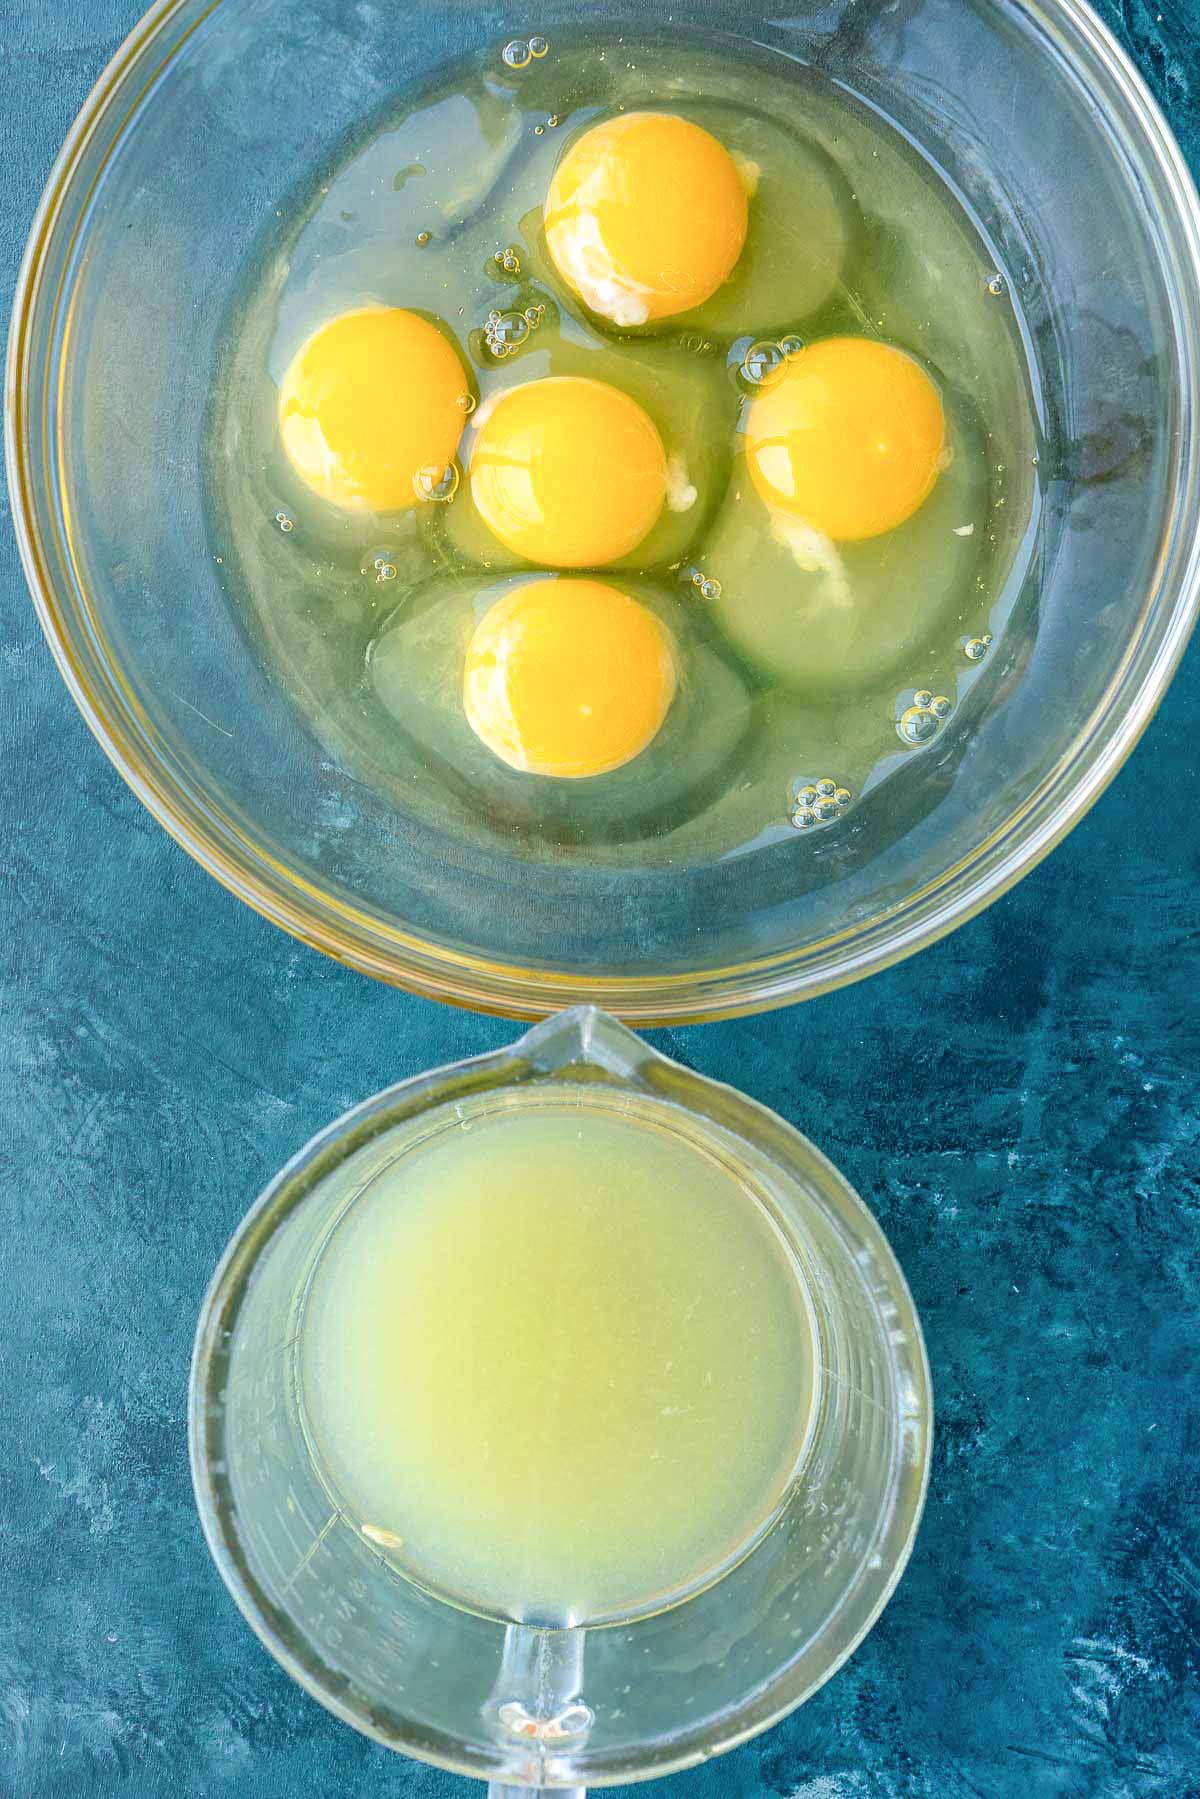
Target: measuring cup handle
{"type": "Point", "coordinates": [536, 1708]}
{"type": "Point", "coordinates": [498, 1790]}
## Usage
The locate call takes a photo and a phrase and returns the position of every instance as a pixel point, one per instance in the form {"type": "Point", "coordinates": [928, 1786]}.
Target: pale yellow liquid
{"type": "Point", "coordinates": [558, 1364]}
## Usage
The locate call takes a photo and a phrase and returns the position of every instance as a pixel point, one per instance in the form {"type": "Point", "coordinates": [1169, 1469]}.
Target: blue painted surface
{"type": "Point", "coordinates": [1018, 1106]}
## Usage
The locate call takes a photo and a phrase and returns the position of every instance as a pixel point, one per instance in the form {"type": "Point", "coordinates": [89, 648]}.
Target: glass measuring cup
{"type": "Point", "coordinates": [511, 1703]}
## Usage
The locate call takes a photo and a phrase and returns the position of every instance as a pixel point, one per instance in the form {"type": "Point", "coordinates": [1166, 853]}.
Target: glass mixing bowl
{"type": "Point", "coordinates": [213, 114]}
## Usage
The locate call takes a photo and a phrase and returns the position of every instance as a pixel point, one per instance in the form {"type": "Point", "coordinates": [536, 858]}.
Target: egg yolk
{"type": "Point", "coordinates": [568, 471]}
{"type": "Point", "coordinates": [568, 677]}
{"type": "Point", "coordinates": [646, 217]}
{"type": "Point", "coordinates": [373, 404]}
{"type": "Point", "coordinates": [851, 439]}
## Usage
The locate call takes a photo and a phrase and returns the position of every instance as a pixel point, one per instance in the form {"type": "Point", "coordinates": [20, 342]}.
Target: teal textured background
{"type": "Point", "coordinates": [1018, 1106]}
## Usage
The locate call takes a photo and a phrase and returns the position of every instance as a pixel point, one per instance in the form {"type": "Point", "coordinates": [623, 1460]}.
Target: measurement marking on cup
{"type": "Point", "coordinates": [199, 714]}
{"type": "Point", "coordinates": [307, 1557]}
{"type": "Point", "coordinates": [246, 1377]}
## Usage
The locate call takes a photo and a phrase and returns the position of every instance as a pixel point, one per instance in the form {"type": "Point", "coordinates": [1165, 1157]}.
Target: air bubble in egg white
{"type": "Point", "coordinates": [505, 332]}
{"type": "Point", "coordinates": [435, 483]}
{"type": "Point", "coordinates": [539, 47]}
{"type": "Point", "coordinates": [285, 521]}
{"type": "Point", "coordinates": [917, 725]}
{"type": "Point", "coordinates": [516, 55]}
{"type": "Point", "coordinates": [762, 364]}
{"type": "Point", "coordinates": [818, 802]}
{"type": "Point", "coordinates": [921, 722]}
{"type": "Point", "coordinates": [997, 286]}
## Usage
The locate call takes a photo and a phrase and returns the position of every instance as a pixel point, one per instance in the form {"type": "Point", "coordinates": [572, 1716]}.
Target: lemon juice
{"type": "Point", "coordinates": [628, 450]}
{"type": "Point", "coordinates": [557, 1363]}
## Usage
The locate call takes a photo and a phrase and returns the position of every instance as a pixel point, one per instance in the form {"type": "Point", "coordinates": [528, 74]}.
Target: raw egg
{"type": "Point", "coordinates": [824, 619]}
{"type": "Point", "coordinates": [685, 396]}
{"type": "Point", "coordinates": [568, 471]}
{"type": "Point", "coordinates": [804, 228]}
{"type": "Point", "coordinates": [372, 408]}
{"type": "Point", "coordinates": [646, 217]}
{"type": "Point", "coordinates": [850, 439]}
{"type": "Point", "coordinates": [568, 677]}
{"type": "Point", "coordinates": [416, 692]}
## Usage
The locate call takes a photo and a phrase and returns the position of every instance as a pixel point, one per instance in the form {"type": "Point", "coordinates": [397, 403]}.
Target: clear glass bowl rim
{"type": "Point", "coordinates": [419, 964]}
